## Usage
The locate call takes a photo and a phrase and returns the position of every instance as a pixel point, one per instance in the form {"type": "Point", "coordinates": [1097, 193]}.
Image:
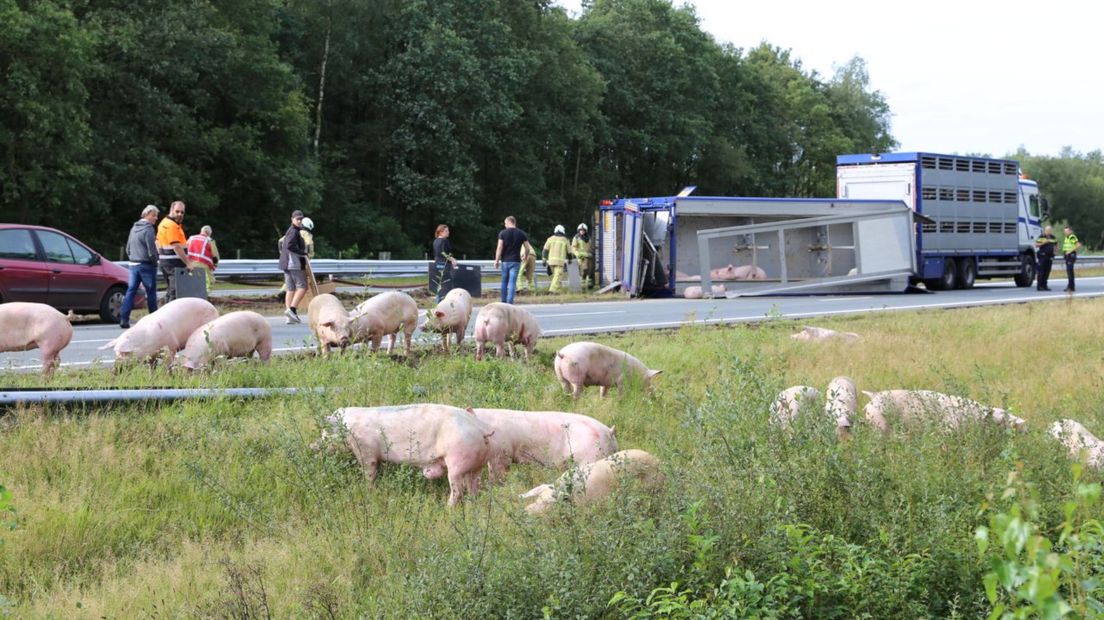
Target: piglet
{"type": "Point", "coordinates": [503, 325]}
{"type": "Point", "coordinates": [914, 404]}
{"type": "Point", "coordinates": [25, 326]}
{"type": "Point", "coordinates": [1075, 437]}
{"type": "Point", "coordinates": [436, 438]}
{"type": "Point", "coordinates": [723, 273]}
{"type": "Point", "coordinates": [580, 364]}
{"type": "Point", "coordinates": [818, 334]}
{"type": "Point", "coordinates": [549, 438]}
{"type": "Point", "coordinates": [329, 322]}
{"type": "Point", "coordinates": [790, 402]}
{"type": "Point", "coordinates": [748, 272]}
{"type": "Point", "coordinates": [166, 330]}
{"type": "Point", "coordinates": [236, 334]}
{"type": "Point", "coordinates": [451, 316]}
{"type": "Point", "coordinates": [695, 292]}
{"type": "Point", "coordinates": [385, 314]}
{"type": "Point", "coordinates": [591, 482]}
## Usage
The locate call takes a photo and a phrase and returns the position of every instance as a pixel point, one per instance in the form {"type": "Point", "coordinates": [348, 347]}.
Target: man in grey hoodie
{"type": "Point", "coordinates": [142, 250]}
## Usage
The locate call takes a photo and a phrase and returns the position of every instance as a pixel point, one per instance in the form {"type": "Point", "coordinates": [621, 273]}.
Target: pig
{"type": "Point", "coordinates": [451, 316]}
{"type": "Point", "coordinates": [842, 403]}
{"type": "Point", "coordinates": [580, 364]}
{"type": "Point", "coordinates": [743, 272]}
{"type": "Point", "coordinates": [436, 438]}
{"type": "Point", "coordinates": [26, 325]}
{"type": "Point", "coordinates": [817, 334]}
{"type": "Point", "coordinates": [695, 292]}
{"type": "Point", "coordinates": [504, 324]}
{"type": "Point", "coordinates": [911, 404]}
{"type": "Point", "coordinates": [166, 330]}
{"type": "Point", "coordinates": [386, 313]}
{"type": "Point", "coordinates": [749, 272]}
{"type": "Point", "coordinates": [237, 334]}
{"type": "Point", "coordinates": [591, 482]}
{"type": "Point", "coordinates": [329, 322]}
{"type": "Point", "coordinates": [685, 277]}
{"type": "Point", "coordinates": [549, 438]}
{"type": "Point", "coordinates": [789, 403]}
{"type": "Point", "coordinates": [1075, 437]}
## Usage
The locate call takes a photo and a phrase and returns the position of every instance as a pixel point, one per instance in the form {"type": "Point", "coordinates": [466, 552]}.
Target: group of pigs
{"type": "Point", "coordinates": [461, 443]}
{"type": "Point", "coordinates": [721, 274]}
{"type": "Point", "coordinates": [842, 399]}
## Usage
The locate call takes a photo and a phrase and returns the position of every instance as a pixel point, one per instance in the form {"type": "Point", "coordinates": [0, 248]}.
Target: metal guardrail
{"type": "Point", "coordinates": [270, 268]}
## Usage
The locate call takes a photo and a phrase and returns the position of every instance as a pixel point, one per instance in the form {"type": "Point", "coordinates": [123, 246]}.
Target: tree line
{"type": "Point", "coordinates": [382, 119]}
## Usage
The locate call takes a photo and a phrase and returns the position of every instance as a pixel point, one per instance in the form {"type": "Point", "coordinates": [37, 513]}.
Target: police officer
{"type": "Point", "coordinates": [1044, 251]}
{"type": "Point", "coordinates": [1070, 245]}
{"type": "Point", "coordinates": [554, 254]}
{"type": "Point", "coordinates": [580, 248]}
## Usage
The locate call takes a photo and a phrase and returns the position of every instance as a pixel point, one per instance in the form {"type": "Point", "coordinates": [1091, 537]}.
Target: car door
{"type": "Point", "coordinates": [23, 276]}
{"type": "Point", "coordinates": [75, 277]}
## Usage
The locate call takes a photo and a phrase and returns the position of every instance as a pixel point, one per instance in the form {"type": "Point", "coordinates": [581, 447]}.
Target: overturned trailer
{"type": "Point", "coordinates": [661, 246]}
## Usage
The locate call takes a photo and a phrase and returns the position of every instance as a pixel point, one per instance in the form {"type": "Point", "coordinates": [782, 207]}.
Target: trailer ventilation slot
{"type": "Point", "coordinates": [927, 161]}
{"type": "Point", "coordinates": [946, 193]}
{"type": "Point", "coordinates": [1010, 198]}
{"type": "Point", "coordinates": [979, 195]}
{"type": "Point", "coordinates": [977, 166]}
{"type": "Point", "coordinates": [962, 195]}
{"type": "Point", "coordinates": [1010, 168]}
{"type": "Point", "coordinates": [928, 193]}
{"type": "Point", "coordinates": [963, 227]}
{"type": "Point", "coordinates": [928, 227]}
{"type": "Point", "coordinates": [962, 165]}
{"type": "Point", "coordinates": [979, 227]}
{"type": "Point", "coordinates": [946, 227]}
{"type": "Point", "coordinates": [1010, 227]}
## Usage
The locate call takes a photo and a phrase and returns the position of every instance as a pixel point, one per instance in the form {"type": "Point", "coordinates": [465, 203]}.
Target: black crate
{"type": "Point", "coordinates": [467, 277]}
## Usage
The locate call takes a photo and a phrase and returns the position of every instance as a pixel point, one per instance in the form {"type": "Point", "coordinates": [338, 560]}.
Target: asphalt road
{"type": "Point", "coordinates": [624, 315]}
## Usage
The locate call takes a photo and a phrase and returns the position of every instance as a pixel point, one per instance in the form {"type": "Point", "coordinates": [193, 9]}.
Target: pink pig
{"type": "Point", "coordinates": [580, 364]}
{"type": "Point", "coordinates": [549, 438]}
{"type": "Point", "coordinates": [1075, 437]}
{"type": "Point", "coordinates": [329, 322]}
{"type": "Point", "coordinates": [695, 292]}
{"type": "Point", "coordinates": [505, 324]}
{"type": "Point", "coordinates": [594, 481]}
{"type": "Point", "coordinates": [451, 316]}
{"type": "Point", "coordinates": [748, 272]}
{"type": "Point", "coordinates": [790, 402]}
{"type": "Point", "coordinates": [25, 326]}
{"type": "Point", "coordinates": [386, 313]}
{"type": "Point", "coordinates": [168, 329]}
{"type": "Point", "coordinates": [953, 410]}
{"type": "Point", "coordinates": [237, 334]}
{"type": "Point", "coordinates": [437, 438]}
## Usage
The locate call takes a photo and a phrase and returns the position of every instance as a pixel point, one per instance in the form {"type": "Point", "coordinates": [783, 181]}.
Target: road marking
{"type": "Point", "coordinates": [844, 298]}
{"type": "Point", "coordinates": [580, 313]}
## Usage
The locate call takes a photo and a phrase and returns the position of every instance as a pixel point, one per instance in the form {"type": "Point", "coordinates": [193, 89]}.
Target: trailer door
{"type": "Point", "coordinates": [632, 248]}
{"type": "Point", "coordinates": [878, 182]}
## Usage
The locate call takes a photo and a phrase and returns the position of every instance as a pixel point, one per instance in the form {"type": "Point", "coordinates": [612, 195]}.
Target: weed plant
{"type": "Point", "coordinates": [220, 508]}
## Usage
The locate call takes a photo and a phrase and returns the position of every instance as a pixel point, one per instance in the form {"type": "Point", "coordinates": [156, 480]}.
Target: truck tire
{"type": "Point", "coordinates": [112, 304]}
{"type": "Point", "coordinates": [949, 278]}
{"type": "Point", "coordinates": [1027, 271]}
{"type": "Point", "coordinates": [967, 273]}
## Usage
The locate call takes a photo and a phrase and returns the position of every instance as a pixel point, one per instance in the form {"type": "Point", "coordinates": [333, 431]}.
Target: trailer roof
{"type": "Point", "coordinates": [893, 158]}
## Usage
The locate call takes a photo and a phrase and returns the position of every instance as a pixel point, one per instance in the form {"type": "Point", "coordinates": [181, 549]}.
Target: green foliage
{"type": "Point", "coordinates": [1031, 575]}
{"type": "Point", "coordinates": [1073, 184]}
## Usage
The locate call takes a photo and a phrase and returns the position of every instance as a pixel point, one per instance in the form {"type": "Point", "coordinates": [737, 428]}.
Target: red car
{"type": "Point", "coordinates": [47, 266]}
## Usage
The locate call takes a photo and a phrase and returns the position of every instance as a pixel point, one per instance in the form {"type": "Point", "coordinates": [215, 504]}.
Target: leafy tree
{"type": "Point", "coordinates": [1074, 186]}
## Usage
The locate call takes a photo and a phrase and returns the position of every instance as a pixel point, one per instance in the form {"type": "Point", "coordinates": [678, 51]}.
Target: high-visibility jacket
{"type": "Point", "coordinates": [169, 233]}
{"type": "Point", "coordinates": [580, 247]}
{"type": "Point", "coordinates": [1069, 244]}
{"type": "Point", "coordinates": [201, 250]}
{"type": "Point", "coordinates": [555, 250]}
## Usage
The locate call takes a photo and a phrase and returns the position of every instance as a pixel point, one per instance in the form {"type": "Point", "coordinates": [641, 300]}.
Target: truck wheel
{"type": "Point", "coordinates": [112, 304]}
{"type": "Point", "coordinates": [1027, 271]}
{"type": "Point", "coordinates": [949, 278]}
{"type": "Point", "coordinates": [967, 273]}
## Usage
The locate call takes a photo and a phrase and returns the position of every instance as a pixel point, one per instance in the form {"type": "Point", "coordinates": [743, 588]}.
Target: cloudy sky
{"type": "Point", "coordinates": [971, 76]}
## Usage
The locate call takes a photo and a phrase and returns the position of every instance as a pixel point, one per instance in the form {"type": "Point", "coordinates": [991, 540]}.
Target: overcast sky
{"type": "Point", "coordinates": [970, 76]}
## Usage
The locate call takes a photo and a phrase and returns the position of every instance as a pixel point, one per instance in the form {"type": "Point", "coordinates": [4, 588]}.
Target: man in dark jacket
{"type": "Point", "coordinates": [293, 261]}
{"type": "Point", "coordinates": [142, 251]}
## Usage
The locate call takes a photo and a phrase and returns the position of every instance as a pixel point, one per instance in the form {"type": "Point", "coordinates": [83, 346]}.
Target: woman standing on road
{"type": "Point", "coordinates": [443, 259]}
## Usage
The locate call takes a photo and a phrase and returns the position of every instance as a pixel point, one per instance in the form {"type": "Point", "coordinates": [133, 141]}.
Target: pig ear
{"type": "Point", "coordinates": [613, 430]}
{"type": "Point", "coordinates": [108, 345]}
{"type": "Point", "coordinates": [469, 410]}
{"type": "Point", "coordinates": [440, 314]}
{"type": "Point", "coordinates": [328, 324]}
{"type": "Point", "coordinates": [652, 373]}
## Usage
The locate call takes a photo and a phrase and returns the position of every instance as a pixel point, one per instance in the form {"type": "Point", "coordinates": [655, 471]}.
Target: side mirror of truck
{"type": "Point", "coordinates": [1044, 207]}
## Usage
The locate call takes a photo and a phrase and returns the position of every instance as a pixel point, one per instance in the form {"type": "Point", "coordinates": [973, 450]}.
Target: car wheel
{"type": "Point", "coordinates": [949, 278]}
{"type": "Point", "coordinates": [112, 304]}
{"type": "Point", "coordinates": [967, 273]}
{"type": "Point", "coordinates": [1027, 271]}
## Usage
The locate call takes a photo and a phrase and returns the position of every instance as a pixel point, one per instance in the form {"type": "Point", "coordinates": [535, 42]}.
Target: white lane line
{"type": "Point", "coordinates": [845, 298]}
{"type": "Point", "coordinates": [541, 315]}
{"type": "Point", "coordinates": [798, 315]}
{"type": "Point", "coordinates": [94, 340]}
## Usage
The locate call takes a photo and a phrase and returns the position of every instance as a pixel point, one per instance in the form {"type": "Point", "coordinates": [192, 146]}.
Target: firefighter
{"type": "Point", "coordinates": [1070, 245]}
{"type": "Point", "coordinates": [554, 255]}
{"type": "Point", "coordinates": [580, 249]}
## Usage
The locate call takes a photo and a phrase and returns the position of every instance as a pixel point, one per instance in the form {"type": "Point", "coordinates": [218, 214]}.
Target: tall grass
{"type": "Point", "coordinates": [220, 508]}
